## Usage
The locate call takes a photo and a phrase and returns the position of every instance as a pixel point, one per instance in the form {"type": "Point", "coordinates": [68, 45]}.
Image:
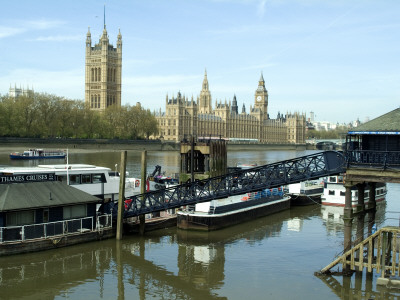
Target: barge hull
{"type": "Point", "coordinates": [204, 222]}
{"type": "Point", "coordinates": [12, 248]}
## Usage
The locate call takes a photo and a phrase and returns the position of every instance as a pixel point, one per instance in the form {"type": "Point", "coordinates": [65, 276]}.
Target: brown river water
{"type": "Point", "coordinates": [274, 257]}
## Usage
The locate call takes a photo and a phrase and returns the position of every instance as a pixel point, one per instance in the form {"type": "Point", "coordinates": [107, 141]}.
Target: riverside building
{"type": "Point", "coordinates": [103, 66]}
{"type": "Point", "coordinates": [184, 117]}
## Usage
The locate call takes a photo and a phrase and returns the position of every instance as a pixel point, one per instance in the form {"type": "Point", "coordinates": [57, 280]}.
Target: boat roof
{"type": "Point", "coordinates": [33, 195]}
{"type": "Point", "coordinates": [386, 124]}
{"type": "Point", "coordinates": [57, 168]}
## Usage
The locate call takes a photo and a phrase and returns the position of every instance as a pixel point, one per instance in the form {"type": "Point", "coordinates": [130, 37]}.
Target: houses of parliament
{"type": "Point", "coordinates": [184, 117]}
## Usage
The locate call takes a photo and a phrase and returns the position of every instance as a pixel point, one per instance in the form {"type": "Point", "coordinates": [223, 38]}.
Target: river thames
{"type": "Point", "coordinates": [274, 257]}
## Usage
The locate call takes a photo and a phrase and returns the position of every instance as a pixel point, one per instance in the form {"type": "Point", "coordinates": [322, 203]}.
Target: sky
{"type": "Point", "coordinates": [339, 59]}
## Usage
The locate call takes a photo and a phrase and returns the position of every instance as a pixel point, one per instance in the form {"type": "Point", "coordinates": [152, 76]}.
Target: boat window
{"type": "Point", "coordinates": [331, 192]}
{"type": "Point", "coordinates": [340, 179]}
{"type": "Point", "coordinates": [98, 178]}
{"type": "Point", "coordinates": [366, 194]}
{"type": "Point", "coordinates": [332, 179]}
{"type": "Point", "coordinates": [20, 218]}
{"type": "Point", "coordinates": [342, 193]}
{"type": "Point", "coordinates": [45, 215]}
{"type": "Point", "coordinates": [74, 179]}
{"type": "Point", "coordinates": [62, 178]}
{"type": "Point", "coordinates": [85, 178]}
{"type": "Point", "coordinates": [75, 211]}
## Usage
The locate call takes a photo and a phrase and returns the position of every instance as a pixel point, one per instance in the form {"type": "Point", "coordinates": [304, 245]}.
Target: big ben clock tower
{"type": "Point", "coordinates": [261, 97]}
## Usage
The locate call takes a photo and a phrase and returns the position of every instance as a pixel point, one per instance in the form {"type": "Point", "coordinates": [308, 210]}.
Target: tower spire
{"type": "Point", "coordinates": [104, 16]}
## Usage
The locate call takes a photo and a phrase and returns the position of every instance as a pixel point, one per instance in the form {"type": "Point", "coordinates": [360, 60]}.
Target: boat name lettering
{"type": "Point", "coordinates": [22, 178]}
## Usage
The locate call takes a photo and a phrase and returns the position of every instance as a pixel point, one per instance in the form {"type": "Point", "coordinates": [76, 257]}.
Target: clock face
{"type": "Point", "coordinates": [259, 98]}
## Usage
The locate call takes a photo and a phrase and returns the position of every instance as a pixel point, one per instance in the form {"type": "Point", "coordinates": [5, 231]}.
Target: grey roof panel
{"type": "Point", "coordinates": [387, 122]}
{"type": "Point", "coordinates": [20, 196]}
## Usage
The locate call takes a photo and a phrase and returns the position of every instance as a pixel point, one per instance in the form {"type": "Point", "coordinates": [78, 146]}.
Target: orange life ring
{"type": "Point", "coordinates": [137, 182]}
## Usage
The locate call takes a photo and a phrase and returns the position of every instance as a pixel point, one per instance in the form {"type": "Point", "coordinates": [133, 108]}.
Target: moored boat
{"type": "Point", "coordinates": [39, 154]}
{"type": "Point", "coordinates": [94, 180]}
{"type": "Point", "coordinates": [217, 214]}
{"type": "Point", "coordinates": [306, 192]}
{"type": "Point", "coordinates": [334, 192]}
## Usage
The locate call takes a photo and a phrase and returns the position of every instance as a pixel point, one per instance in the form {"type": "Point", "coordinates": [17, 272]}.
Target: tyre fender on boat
{"type": "Point", "coordinates": [137, 183]}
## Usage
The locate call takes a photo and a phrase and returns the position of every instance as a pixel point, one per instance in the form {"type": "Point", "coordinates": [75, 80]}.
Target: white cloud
{"type": "Point", "coordinates": [261, 8]}
{"type": "Point", "coordinates": [10, 31]}
{"type": "Point", "coordinates": [57, 38]}
{"type": "Point", "coordinates": [42, 24]}
{"type": "Point", "coordinates": [26, 26]}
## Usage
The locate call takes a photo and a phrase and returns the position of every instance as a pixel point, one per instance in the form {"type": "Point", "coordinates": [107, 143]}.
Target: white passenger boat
{"type": "Point", "coordinates": [38, 154]}
{"type": "Point", "coordinates": [334, 192]}
{"type": "Point", "coordinates": [94, 180]}
{"type": "Point", "coordinates": [306, 192]}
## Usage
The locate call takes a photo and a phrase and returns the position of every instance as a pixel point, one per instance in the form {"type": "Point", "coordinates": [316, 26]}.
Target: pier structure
{"type": "Point", "coordinates": [372, 156]}
{"type": "Point", "coordinates": [202, 158]}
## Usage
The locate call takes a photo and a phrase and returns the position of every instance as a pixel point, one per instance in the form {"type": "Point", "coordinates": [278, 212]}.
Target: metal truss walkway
{"type": "Point", "coordinates": [250, 180]}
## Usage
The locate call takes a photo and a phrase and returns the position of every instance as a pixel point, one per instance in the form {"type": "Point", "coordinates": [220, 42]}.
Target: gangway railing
{"type": "Point", "coordinates": [378, 251]}
{"type": "Point", "coordinates": [294, 170]}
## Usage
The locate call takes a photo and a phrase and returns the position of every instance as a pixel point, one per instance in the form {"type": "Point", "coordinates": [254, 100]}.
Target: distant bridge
{"type": "Point", "coordinates": [268, 176]}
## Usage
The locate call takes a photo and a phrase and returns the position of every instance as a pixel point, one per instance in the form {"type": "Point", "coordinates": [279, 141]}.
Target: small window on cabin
{"type": "Point", "coordinates": [86, 178]}
{"type": "Point", "coordinates": [331, 192]}
{"type": "Point", "coordinates": [332, 179]}
{"type": "Point", "coordinates": [74, 211]}
{"type": "Point", "coordinates": [62, 178]}
{"type": "Point", "coordinates": [340, 179]}
{"type": "Point", "coordinates": [342, 193]}
{"type": "Point", "coordinates": [19, 218]}
{"type": "Point", "coordinates": [74, 179]}
{"type": "Point", "coordinates": [45, 215]}
{"type": "Point", "coordinates": [99, 178]}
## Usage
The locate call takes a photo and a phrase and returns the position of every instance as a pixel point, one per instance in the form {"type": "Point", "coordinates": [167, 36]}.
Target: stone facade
{"type": "Point", "coordinates": [103, 68]}
{"type": "Point", "coordinates": [184, 117]}
{"type": "Point", "coordinates": [15, 92]}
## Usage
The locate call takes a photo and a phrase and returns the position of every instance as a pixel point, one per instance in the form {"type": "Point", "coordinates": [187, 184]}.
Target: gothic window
{"type": "Point", "coordinates": [99, 74]}
{"type": "Point", "coordinates": [91, 100]}
{"type": "Point", "coordinates": [114, 75]}
{"type": "Point", "coordinates": [92, 74]}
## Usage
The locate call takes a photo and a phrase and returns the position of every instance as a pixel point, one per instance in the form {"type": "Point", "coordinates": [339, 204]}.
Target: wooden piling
{"type": "Point", "coordinates": [121, 195]}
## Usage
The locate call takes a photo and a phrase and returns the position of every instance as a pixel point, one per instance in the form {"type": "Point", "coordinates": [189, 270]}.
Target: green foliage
{"type": "Point", "coordinates": [330, 134]}
{"type": "Point", "coordinates": [45, 115]}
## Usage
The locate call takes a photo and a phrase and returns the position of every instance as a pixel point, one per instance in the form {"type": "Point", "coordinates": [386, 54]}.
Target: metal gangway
{"type": "Point", "coordinates": [280, 173]}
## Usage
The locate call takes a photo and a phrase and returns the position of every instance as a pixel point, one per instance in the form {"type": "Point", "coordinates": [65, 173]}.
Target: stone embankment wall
{"type": "Point", "coordinates": [16, 144]}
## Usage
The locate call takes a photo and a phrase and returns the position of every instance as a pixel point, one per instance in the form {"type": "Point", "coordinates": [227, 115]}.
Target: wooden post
{"type": "Point", "coordinates": [383, 261]}
{"type": "Point", "coordinates": [361, 196]}
{"type": "Point", "coordinates": [348, 222]}
{"type": "Point", "coordinates": [121, 195]}
{"type": "Point", "coordinates": [143, 189]}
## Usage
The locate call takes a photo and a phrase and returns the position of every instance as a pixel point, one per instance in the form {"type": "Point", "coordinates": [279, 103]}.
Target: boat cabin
{"type": "Point", "coordinates": [375, 143]}
{"type": "Point", "coordinates": [24, 201]}
{"type": "Point", "coordinates": [94, 180]}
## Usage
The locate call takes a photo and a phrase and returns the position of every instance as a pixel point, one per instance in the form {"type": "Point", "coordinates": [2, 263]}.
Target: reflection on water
{"type": "Point", "coordinates": [268, 258]}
